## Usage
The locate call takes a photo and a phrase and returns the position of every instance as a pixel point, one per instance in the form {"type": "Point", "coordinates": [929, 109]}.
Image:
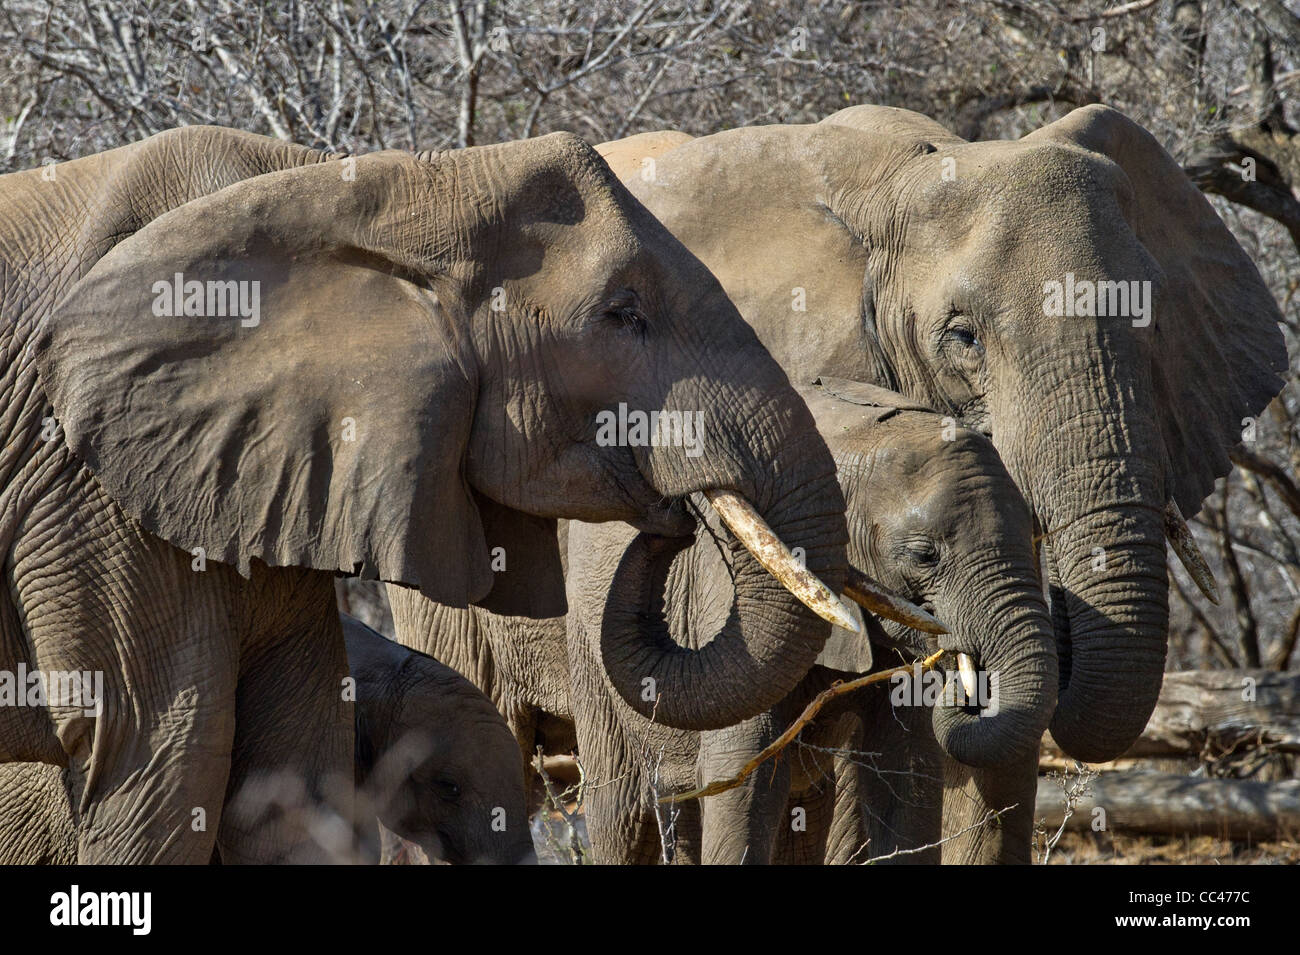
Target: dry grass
{"type": "Point", "coordinates": [1118, 849]}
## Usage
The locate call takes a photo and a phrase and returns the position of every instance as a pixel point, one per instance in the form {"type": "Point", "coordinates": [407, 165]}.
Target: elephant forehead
{"type": "Point", "coordinates": [1017, 184]}
{"type": "Point", "coordinates": [909, 449]}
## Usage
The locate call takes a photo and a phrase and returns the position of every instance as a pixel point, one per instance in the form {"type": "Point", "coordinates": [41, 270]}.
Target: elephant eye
{"type": "Point", "coordinates": [625, 313]}
{"type": "Point", "coordinates": [922, 552]}
{"type": "Point", "coordinates": [964, 336]}
{"type": "Point", "coordinates": [447, 790]}
{"type": "Point", "coordinates": [630, 319]}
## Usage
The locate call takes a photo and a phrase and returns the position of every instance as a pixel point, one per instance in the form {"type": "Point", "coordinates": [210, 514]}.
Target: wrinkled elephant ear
{"type": "Point", "coordinates": [843, 407]}
{"type": "Point", "coordinates": [851, 652]}
{"type": "Point", "coordinates": [866, 395]}
{"type": "Point", "coordinates": [757, 180]}
{"type": "Point", "coordinates": [524, 554]}
{"type": "Point", "coordinates": [262, 374]}
{"type": "Point", "coordinates": [1218, 350]}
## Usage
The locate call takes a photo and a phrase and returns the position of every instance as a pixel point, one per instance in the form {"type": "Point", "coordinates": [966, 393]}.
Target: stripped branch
{"type": "Point", "coordinates": [786, 738]}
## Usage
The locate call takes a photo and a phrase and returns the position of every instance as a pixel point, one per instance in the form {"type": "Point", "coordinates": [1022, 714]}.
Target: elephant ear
{"type": "Point", "coordinates": [1217, 350]}
{"type": "Point", "coordinates": [260, 373]}
{"type": "Point", "coordinates": [868, 395]}
{"type": "Point", "coordinates": [840, 405]}
{"type": "Point", "coordinates": [851, 652]}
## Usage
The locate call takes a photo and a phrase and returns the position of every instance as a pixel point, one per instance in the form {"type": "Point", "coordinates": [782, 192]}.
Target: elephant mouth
{"type": "Point", "coordinates": [665, 517]}
{"type": "Point", "coordinates": [670, 518]}
{"type": "Point", "coordinates": [923, 627]}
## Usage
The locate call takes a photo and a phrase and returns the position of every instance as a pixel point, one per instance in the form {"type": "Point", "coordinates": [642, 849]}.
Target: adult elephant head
{"type": "Point", "coordinates": [408, 366]}
{"type": "Point", "coordinates": [1070, 293]}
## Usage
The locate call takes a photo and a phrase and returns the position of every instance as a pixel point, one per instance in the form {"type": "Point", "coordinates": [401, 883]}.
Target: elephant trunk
{"type": "Point", "coordinates": [1017, 673]}
{"type": "Point", "coordinates": [1111, 568]}
{"type": "Point", "coordinates": [769, 640]}
{"type": "Point", "coordinates": [1099, 496]}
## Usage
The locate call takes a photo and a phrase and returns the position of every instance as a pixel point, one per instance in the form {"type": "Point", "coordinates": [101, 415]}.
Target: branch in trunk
{"type": "Point", "coordinates": [789, 736]}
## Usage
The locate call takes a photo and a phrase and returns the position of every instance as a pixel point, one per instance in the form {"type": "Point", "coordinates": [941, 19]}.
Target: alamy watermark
{"type": "Point", "coordinates": [654, 429]}
{"type": "Point", "coordinates": [1086, 298]}
{"type": "Point", "coordinates": [80, 689]}
{"type": "Point", "coordinates": [921, 687]}
{"type": "Point", "coordinates": [78, 907]}
{"type": "Point", "coordinates": [180, 297]}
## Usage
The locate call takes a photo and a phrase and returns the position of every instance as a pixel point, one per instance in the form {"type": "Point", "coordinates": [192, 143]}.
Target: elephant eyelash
{"type": "Point", "coordinates": [958, 327]}
{"type": "Point", "coordinates": [922, 552]}
{"type": "Point", "coordinates": [628, 317]}
{"type": "Point", "coordinates": [965, 336]}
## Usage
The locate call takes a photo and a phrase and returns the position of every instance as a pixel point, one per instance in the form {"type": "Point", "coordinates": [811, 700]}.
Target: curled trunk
{"type": "Point", "coordinates": [1018, 661]}
{"type": "Point", "coordinates": [767, 644]}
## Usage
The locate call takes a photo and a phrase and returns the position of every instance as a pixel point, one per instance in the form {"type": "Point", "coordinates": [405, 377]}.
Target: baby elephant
{"type": "Point", "coordinates": [933, 516]}
{"type": "Point", "coordinates": [435, 763]}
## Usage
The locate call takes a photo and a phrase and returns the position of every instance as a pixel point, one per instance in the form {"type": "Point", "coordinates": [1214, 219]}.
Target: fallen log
{"type": "Point", "coordinates": [1207, 713]}
{"type": "Point", "coordinates": [1169, 804]}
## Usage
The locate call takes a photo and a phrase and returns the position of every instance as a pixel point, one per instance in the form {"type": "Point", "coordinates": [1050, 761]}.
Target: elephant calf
{"type": "Point", "coordinates": [933, 516]}
{"type": "Point", "coordinates": [434, 761]}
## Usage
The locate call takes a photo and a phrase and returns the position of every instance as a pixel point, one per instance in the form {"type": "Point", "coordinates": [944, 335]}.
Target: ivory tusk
{"type": "Point", "coordinates": [874, 597]}
{"type": "Point", "coordinates": [752, 531]}
{"type": "Point", "coordinates": [1184, 545]}
{"type": "Point", "coordinates": [969, 678]}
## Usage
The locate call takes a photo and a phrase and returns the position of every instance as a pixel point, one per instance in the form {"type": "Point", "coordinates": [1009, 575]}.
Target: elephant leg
{"type": "Point", "coordinates": [290, 795]}
{"type": "Point", "coordinates": [740, 826]}
{"type": "Point", "coordinates": [899, 784]}
{"type": "Point", "coordinates": [970, 795]}
{"type": "Point", "coordinates": [849, 825]}
{"type": "Point", "coordinates": [100, 597]}
{"type": "Point", "coordinates": [621, 823]}
{"type": "Point", "coordinates": [620, 815]}
{"type": "Point", "coordinates": [801, 838]}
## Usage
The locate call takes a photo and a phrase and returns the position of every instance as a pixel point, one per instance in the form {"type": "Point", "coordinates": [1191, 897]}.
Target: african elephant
{"type": "Point", "coordinates": [934, 516]}
{"type": "Point", "coordinates": [434, 760]}
{"type": "Point", "coordinates": [233, 370]}
{"type": "Point", "coordinates": [521, 664]}
{"type": "Point", "coordinates": [1070, 293]}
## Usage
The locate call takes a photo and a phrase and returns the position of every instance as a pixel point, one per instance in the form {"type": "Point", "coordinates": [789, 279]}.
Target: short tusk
{"type": "Point", "coordinates": [969, 678]}
{"type": "Point", "coordinates": [865, 591]}
{"type": "Point", "coordinates": [752, 531]}
{"type": "Point", "coordinates": [1184, 544]}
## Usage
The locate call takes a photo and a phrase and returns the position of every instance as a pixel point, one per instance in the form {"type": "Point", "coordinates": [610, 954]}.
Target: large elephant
{"type": "Point", "coordinates": [1071, 294]}
{"type": "Point", "coordinates": [435, 763]}
{"type": "Point", "coordinates": [233, 370]}
{"type": "Point", "coordinates": [934, 516]}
